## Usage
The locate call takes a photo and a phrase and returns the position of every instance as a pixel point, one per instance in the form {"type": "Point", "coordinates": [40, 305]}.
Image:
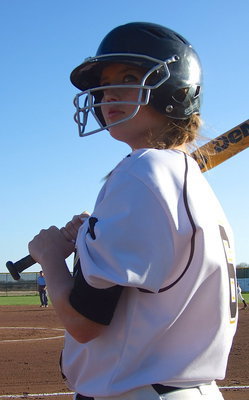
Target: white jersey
{"type": "Point", "coordinates": [157, 268]}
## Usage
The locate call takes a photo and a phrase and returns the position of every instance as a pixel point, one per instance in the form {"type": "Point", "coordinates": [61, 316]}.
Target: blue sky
{"type": "Point", "coordinates": [48, 173]}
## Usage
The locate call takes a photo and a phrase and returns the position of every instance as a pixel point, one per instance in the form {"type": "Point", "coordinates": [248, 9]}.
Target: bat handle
{"type": "Point", "coordinates": [19, 266]}
{"type": "Point", "coordinates": [16, 268]}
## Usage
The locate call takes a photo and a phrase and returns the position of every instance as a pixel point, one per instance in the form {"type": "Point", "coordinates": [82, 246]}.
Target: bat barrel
{"type": "Point", "coordinates": [16, 268]}
{"type": "Point", "coordinates": [222, 147]}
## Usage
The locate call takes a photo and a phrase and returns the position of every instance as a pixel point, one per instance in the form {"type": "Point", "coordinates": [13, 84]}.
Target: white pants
{"type": "Point", "coordinates": [203, 392]}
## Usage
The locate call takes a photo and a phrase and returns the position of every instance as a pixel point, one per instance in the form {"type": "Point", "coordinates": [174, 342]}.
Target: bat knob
{"type": "Point", "coordinates": [13, 271]}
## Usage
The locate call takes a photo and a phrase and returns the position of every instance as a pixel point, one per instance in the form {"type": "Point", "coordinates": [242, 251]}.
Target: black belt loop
{"type": "Point", "coordinates": [161, 389]}
{"type": "Point", "coordinates": [81, 397]}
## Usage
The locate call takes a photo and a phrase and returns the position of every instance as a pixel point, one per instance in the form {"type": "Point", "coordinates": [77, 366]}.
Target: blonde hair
{"type": "Point", "coordinates": [176, 132]}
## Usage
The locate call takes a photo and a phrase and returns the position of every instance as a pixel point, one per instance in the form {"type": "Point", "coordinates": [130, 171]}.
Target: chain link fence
{"type": "Point", "coordinates": [26, 285]}
{"type": "Point", "coordinates": [243, 278]}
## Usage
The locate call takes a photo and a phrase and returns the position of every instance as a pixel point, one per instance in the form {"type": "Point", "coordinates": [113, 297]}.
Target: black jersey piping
{"type": "Point", "coordinates": [191, 220]}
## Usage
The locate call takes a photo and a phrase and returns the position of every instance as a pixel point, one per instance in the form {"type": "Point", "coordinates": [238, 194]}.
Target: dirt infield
{"type": "Point", "coordinates": [29, 355]}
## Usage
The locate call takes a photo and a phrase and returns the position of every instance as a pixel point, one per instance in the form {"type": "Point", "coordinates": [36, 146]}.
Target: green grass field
{"type": "Point", "coordinates": [246, 297]}
{"type": "Point", "coordinates": [30, 300]}
{"type": "Point", "coordinates": [19, 300]}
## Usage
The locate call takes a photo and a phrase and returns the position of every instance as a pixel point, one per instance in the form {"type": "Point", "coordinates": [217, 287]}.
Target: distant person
{"type": "Point", "coordinates": [240, 297]}
{"type": "Point", "coordinates": [42, 289]}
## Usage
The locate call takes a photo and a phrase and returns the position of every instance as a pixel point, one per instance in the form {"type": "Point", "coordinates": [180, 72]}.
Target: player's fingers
{"type": "Point", "coordinates": [70, 230]}
{"type": "Point", "coordinates": [73, 226]}
{"type": "Point", "coordinates": [84, 215]}
{"type": "Point", "coordinates": [70, 236]}
{"type": "Point", "coordinates": [76, 222]}
{"type": "Point", "coordinates": [46, 241]}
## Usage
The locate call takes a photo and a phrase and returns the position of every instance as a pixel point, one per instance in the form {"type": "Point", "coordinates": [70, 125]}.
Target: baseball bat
{"type": "Point", "coordinates": [222, 147]}
{"type": "Point", "coordinates": [16, 268]}
{"type": "Point", "coordinates": [207, 156]}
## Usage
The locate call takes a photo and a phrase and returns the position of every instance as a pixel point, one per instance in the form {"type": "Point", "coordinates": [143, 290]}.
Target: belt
{"type": "Point", "coordinates": [160, 389]}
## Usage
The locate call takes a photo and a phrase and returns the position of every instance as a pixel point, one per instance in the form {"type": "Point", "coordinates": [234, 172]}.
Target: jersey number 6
{"type": "Point", "coordinates": [231, 274]}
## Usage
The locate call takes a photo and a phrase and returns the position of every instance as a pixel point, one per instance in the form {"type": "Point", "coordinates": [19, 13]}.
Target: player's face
{"type": "Point", "coordinates": [135, 131]}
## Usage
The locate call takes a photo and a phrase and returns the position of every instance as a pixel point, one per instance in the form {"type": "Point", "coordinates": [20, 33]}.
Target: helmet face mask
{"type": "Point", "coordinates": [172, 74]}
{"type": "Point", "coordinates": [89, 101]}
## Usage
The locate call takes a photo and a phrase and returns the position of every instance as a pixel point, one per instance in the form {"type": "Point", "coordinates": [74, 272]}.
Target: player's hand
{"type": "Point", "coordinates": [50, 245]}
{"type": "Point", "coordinates": [70, 230]}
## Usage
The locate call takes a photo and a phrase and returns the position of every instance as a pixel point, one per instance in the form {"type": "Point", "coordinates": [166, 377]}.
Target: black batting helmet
{"type": "Point", "coordinates": [177, 88]}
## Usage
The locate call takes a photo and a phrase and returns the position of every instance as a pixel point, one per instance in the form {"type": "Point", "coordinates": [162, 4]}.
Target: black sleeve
{"type": "Point", "coordinates": [98, 305]}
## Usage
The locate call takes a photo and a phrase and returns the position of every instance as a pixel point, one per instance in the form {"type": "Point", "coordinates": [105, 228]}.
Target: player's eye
{"type": "Point", "coordinates": [131, 78]}
{"type": "Point", "coordinates": [127, 79]}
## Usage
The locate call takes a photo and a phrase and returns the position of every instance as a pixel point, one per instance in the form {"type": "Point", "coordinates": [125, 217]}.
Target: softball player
{"type": "Point", "coordinates": [42, 289]}
{"type": "Point", "coordinates": [240, 297]}
{"type": "Point", "coordinates": [156, 256]}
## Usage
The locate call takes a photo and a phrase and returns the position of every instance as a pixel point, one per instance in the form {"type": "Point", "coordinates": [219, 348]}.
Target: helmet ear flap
{"type": "Point", "coordinates": [177, 103]}
{"type": "Point", "coordinates": [180, 94]}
